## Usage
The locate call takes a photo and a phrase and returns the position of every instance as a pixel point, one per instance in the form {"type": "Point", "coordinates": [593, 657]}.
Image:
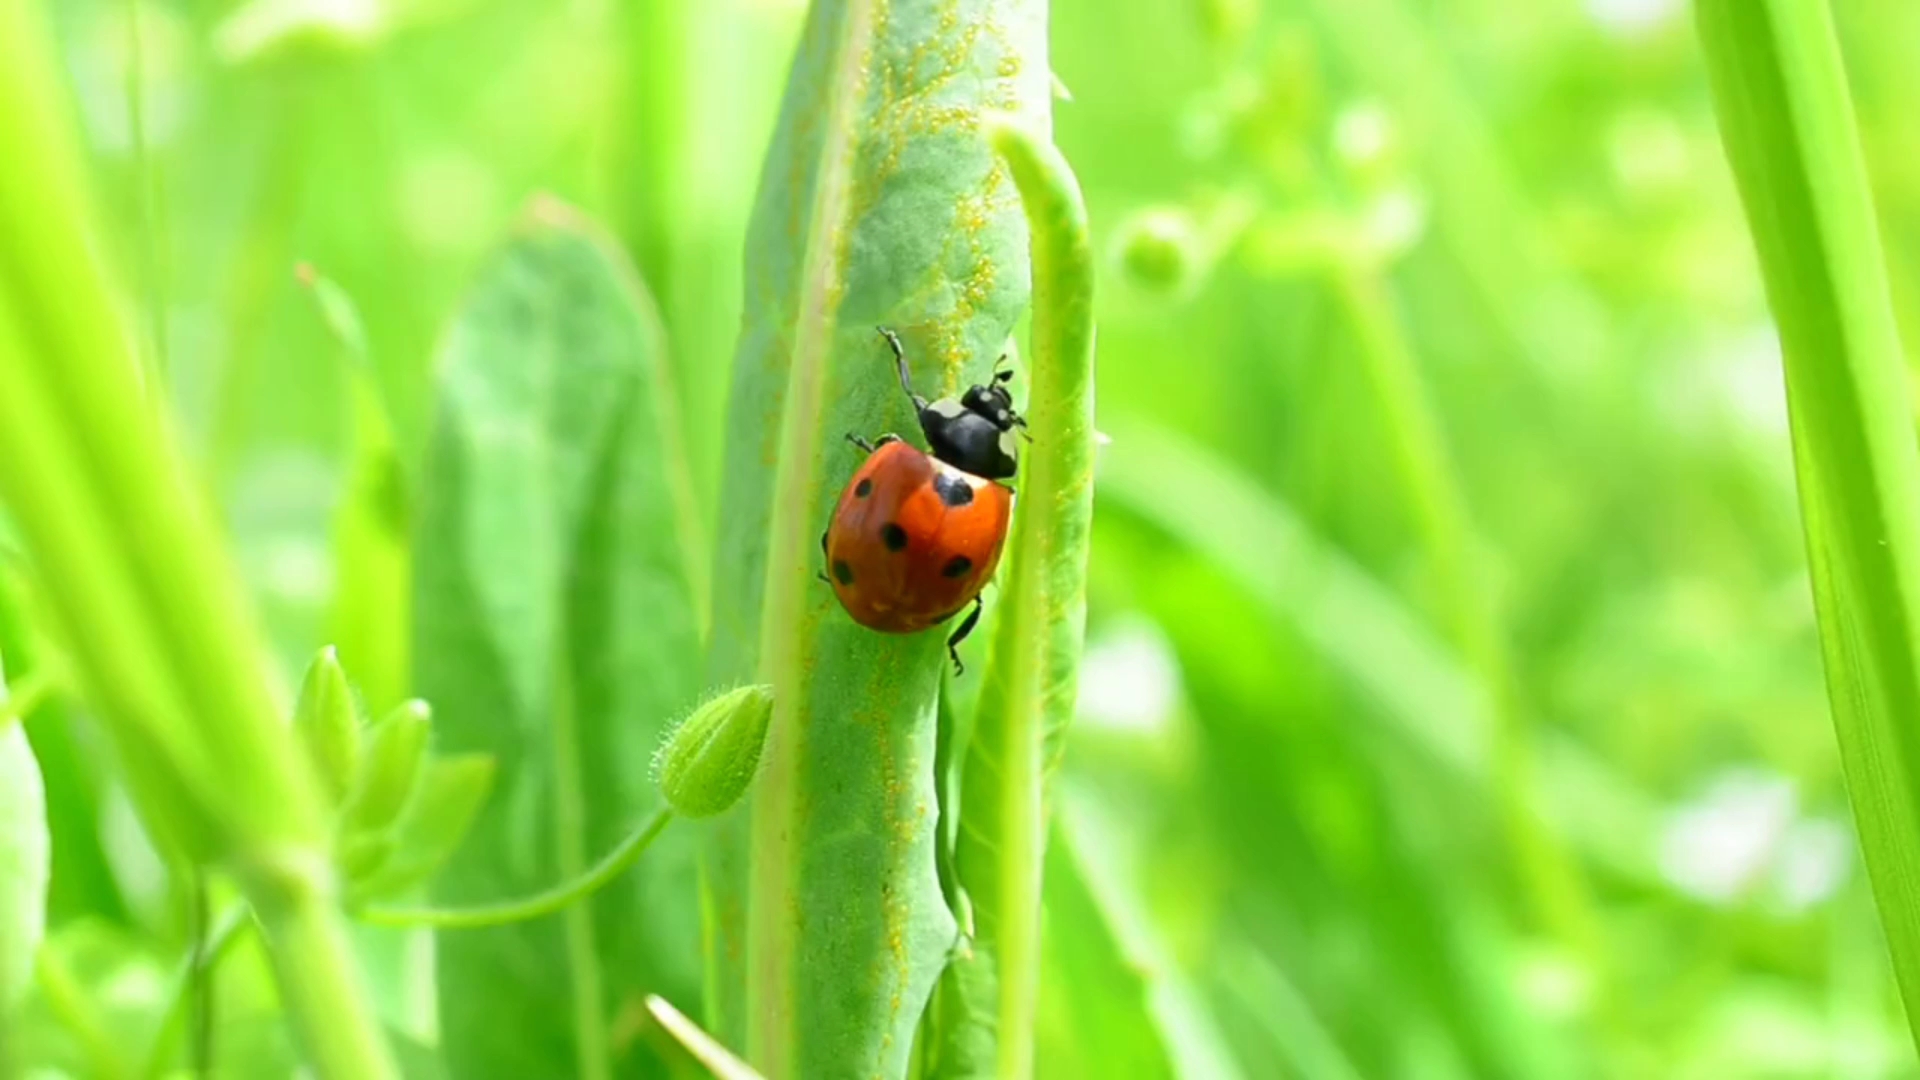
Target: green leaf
{"type": "Point", "coordinates": [880, 204]}
{"type": "Point", "coordinates": [75, 776]}
{"type": "Point", "coordinates": [1787, 123]}
{"type": "Point", "coordinates": [452, 791]}
{"type": "Point", "coordinates": [556, 633]}
{"type": "Point", "coordinates": [1031, 682]}
{"type": "Point", "coordinates": [24, 866]}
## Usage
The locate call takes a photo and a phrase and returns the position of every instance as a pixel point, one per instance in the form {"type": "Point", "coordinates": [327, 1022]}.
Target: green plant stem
{"type": "Point", "coordinates": [551, 900]}
{"type": "Point", "coordinates": [1029, 690]}
{"type": "Point", "coordinates": [198, 964]}
{"type": "Point", "coordinates": [1420, 453]}
{"type": "Point", "coordinates": [166, 645]}
{"type": "Point", "coordinates": [319, 980]}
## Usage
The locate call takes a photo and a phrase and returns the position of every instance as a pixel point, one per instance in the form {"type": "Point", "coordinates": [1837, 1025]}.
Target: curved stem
{"type": "Point", "coordinates": [1030, 686]}
{"type": "Point", "coordinates": [532, 907]}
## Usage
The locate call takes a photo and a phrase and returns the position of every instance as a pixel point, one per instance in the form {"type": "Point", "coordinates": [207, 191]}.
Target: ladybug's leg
{"type": "Point", "coordinates": [900, 360]}
{"type": "Point", "coordinates": [960, 635]}
{"type": "Point", "coordinates": [876, 444]}
{"type": "Point", "coordinates": [822, 574]}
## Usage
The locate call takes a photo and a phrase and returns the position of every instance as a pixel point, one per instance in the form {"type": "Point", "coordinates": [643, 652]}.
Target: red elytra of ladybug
{"type": "Point", "coordinates": [918, 533]}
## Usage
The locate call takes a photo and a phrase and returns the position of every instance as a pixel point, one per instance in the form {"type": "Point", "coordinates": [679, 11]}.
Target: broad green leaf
{"type": "Point", "coordinates": [1031, 682]}
{"type": "Point", "coordinates": [25, 862]}
{"type": "Point", "coordinates": [880, 203]}
{"type": "Point", "coordinates": [1787, 123]}
{"type": "Point", "coordinates": [555, 633]}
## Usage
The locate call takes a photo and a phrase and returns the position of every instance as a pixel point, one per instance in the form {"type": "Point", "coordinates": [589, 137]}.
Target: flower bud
{"type": "Point", "coordinates": [328, 724]}
{"type": "Point", "coordinates": [392, 767]}
{"type": "Point", "coordinates": [706, 763]}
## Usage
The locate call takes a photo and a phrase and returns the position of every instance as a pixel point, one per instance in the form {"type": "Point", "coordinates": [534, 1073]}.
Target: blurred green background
{"type": "Point", "coordinates": [1453, 705]}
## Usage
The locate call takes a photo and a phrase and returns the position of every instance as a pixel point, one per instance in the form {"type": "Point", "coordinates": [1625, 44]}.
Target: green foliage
{"type": "Point", "coordinates": [162, 633]}
{"type": "Point", "coordinates": [1463, 656]}
{"type": "Point", "coordinates": [1781, 92]}
{"type": "Point", "coordinates": [879, 204]}
{"type": "Point", "coordinates": [556, 634]}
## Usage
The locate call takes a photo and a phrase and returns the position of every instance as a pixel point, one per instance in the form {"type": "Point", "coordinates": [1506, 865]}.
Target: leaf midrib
{"type": "Point", "coordinates": [769, 944]}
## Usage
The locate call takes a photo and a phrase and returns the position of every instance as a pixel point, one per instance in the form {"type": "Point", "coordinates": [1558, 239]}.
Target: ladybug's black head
{"type": "Point", "coordinates": [973, 432]}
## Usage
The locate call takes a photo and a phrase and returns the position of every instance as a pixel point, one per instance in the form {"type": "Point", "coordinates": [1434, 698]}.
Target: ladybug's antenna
{"type": "Point", "coordinates": [900, 358]}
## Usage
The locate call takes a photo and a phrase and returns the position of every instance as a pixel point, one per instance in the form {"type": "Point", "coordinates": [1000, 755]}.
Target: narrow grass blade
{"type": "Point", "coordinates": [1033, 677]}
{"type": "Point", "coordinates": [555, 632]}
{"type": "Point", "coordinates": [1787, 124]}
{"type": "Point", "coordinates": [720, 1061]}
{"type": "Point", "coordinates": [880, 204]}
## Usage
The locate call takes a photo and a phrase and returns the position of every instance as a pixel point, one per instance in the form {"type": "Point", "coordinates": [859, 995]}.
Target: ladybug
{"type": "Point", "coordinates": [917, 535]}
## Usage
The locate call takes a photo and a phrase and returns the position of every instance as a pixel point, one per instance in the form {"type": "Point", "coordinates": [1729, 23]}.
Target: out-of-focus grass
{"type": "Point", "coordinates": [1284, 751]}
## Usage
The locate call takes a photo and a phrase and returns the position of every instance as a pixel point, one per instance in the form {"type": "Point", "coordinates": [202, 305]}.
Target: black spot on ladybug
{"type": "Point", "coordinates": [893, 536]}
{"type": "Point", "coordinates": [842, 572]}
{"type": "Point", "coordinates": [863, 489]}
{"type": "Point", "coordinates": [953, 490]}
{"type": "Point", "coordinates": [957, 567]}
